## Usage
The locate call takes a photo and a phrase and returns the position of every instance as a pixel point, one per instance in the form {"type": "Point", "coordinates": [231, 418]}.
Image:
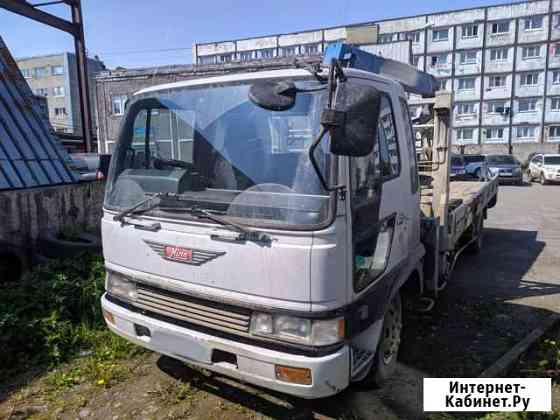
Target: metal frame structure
{"type": "Point", "coordinates": [74, 28]}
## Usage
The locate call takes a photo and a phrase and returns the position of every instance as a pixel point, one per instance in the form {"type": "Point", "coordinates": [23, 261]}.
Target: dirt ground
{"type": "Point", "coordinates": [494, 299]}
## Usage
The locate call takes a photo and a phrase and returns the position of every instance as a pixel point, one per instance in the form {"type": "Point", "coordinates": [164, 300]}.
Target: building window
{"type": "Point", "coordinates": [498, 107]}
{"type": "Point", "coordinates": [527, 105]}
{"type": "Point", "coordinates": [289, 51]}
{"type": "Point", "coordinates": [465, 109]}
{"type": "Point", "coordinates": [469, 31]}
{"type": "Point", "coordinates": [554, 131]}
{"type": "Point", "coordinates": [497, 81]}
{"type": "Point", "coordinates": [533, 51]}
{"type": "Point", "coordinates": [415, 60]}
{"type": "Point", "coordinates": [440, 34]}
{"type": "Point", "coordinates": [529, 79]}
{"type": "Point", "coordinates": [385, 38]}
{"type": "Point", "coordinates": [466, 83]}
{"type": "Point", "coordinates": [533, 23]}
{"type": "Point", "coordinates": [42, 92]}
{"type": "Point", "coordinates": [439, 59]}
{"type": "Point", "coordinates": [414, 36]}
{"type": "Point", "coordinates": [57, 70]}
{"type": "Point", "coordinates": [41, 72]}
{"type": "Point", "coordinates": [525, 132]}
{"type": "Point", "coordinates": [246, 55]}
{"type": "Point", "coordinates": [207, 59]}
{"type": "Point", "coordinates": [500, 27]}
{"type": "Point", "coordinates": [60, 113]}
{"type": "Point", "coordinates": [225, 58]}
{"type": "Point", "coordinates": [266, 53]}
{"type": "Point", "coordinates": [556, 77]}
{"type": "Point", "coordinates": [27, 73]}
{"type": "Point", "coordinates": [58, 91]}
{"type": "Point", "coordinates": [118, 103]}
{"type": "Point", "coordinates": [311, 49]}
{"type": "Point", "coordinates": [498, 54]}
{"type": "Point", "coordinates": [495, 133]}
{"type": "Point", "coordinates": [468, 57]}
{"type": "Point", "coordinates": [465, 134]}
{"type": "Point", "coordinates": [556, 50]}
{"type": "Point", "coordinates": [555, 103]}
{"type": "Point", "coordinates": [442, 84]}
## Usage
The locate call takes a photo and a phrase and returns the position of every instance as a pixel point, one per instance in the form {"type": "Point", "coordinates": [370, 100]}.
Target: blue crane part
{"type": "Point", "coordinates": [413, 80]}
{"type": "Point", "coordinates": [30, 154]}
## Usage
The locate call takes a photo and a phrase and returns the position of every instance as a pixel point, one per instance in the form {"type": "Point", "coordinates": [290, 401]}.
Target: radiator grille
{"type": "Point", "coordinates": [197, 312]}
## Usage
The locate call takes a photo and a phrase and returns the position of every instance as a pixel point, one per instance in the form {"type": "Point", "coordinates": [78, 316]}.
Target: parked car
{"type": "Point", "coordinates": [545, 168]}
{"type": "Point", "coordinates": [457, 169]}
{"type": "Point", "coordinates": [506, 168]}
{"type": "Point", "coordinates": [525, 163]}
{"type": "Point", "coordinates": [87, 166]}
{"type": "Point", "coordinates": [475, 165]}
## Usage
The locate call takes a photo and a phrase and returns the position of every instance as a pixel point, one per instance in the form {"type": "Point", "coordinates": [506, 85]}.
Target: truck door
{"type": "Point", "coordinates": [376, 205]}
{"type": "Point", "coordinates": [411, 211]}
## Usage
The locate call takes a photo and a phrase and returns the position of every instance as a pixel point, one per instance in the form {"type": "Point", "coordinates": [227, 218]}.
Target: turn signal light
{"type": "Point", "coordinates": [301, 376]}
{"type": "Point", "coordinates": [109, 317]}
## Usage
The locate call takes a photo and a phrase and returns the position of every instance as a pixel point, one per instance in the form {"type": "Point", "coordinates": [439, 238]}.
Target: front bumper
{"type": "Point", "coordinates": [330, 374]}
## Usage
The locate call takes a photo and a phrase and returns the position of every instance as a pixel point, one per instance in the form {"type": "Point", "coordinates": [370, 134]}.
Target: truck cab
{"type": "Point", "coordinates": [264, 226]}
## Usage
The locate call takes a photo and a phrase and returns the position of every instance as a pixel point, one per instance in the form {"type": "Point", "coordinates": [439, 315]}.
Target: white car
{"type": "Point", "coordinates": [545, 168]}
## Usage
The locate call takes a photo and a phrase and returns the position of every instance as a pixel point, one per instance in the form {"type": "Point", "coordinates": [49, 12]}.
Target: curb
{"type": "Point", "coordinates": [504, 363]}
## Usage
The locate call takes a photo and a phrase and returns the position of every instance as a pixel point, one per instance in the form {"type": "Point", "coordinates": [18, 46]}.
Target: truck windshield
{"type": "Point", "coordinates": [219, 152]}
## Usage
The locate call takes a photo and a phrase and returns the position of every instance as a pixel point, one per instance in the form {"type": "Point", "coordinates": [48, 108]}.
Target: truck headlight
{"type": "Point", "coordinates": [318, 332]}
{"type": "Point", "coordinates": [119, 286]}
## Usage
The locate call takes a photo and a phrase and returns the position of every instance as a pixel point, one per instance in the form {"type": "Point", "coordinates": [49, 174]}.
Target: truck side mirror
{"type": "Point", "coordinates": [352, 124]}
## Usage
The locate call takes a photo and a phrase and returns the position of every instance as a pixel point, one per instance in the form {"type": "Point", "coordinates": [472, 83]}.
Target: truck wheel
{"type": "Point", "coordinates": [542, 179]}
{"type": "Point", "coordinates": [385, 359]}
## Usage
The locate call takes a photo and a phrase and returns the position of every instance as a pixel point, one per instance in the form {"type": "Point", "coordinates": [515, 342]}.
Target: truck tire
{"type": "Point", "coordinates": [51, 246]}
{"type": "Point", "coordinates": [385, 359]}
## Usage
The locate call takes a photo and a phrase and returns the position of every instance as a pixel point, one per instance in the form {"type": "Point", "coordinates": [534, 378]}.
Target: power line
{"type": "Point", "coordinates": [155, 50]}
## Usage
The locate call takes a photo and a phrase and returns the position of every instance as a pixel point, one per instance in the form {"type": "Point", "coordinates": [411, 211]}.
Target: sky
{"type": "Point", "coordinates": [137, 33]}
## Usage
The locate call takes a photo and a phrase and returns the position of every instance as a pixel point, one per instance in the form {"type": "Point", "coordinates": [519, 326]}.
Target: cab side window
{"type": "Point", "coordinates": [388, 141]}
{"type": "Point", "coordinates": [410, 145]}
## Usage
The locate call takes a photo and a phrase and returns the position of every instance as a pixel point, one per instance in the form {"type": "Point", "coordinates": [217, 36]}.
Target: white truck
{"type": "Point", "coordinates": [267, 226]}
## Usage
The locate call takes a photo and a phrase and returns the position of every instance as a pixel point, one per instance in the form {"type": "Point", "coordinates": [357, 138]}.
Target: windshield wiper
{"type": "Point", "coordinates": [129, 210]}
{"type": "Point", "coordinates": [245, 234]}
{"type": "Point", "coordinates": [154, 227]}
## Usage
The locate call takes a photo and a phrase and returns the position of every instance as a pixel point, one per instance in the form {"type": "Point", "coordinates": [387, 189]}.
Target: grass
{"type": "Point", "coordinates": [52, 316]}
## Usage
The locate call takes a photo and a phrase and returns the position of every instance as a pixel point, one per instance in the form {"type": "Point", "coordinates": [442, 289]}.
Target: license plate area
{"type": "Point", "coordinates": [220, 356]}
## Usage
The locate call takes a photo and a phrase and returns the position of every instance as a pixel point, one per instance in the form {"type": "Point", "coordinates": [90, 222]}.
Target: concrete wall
{"type": "Point", "coordinates": [27, 213]}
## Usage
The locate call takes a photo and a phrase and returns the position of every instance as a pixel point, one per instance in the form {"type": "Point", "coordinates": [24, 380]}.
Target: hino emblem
{"type": "Point", "coordinates": [179, 254]}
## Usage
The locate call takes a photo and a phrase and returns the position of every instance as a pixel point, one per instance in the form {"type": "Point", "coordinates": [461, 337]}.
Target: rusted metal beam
{"type": "Point", "coordinates": [47, 3]}
{"type": "Point", "coordinates": [83, 79]}
{"type": "Point", "coordinates": [25, 9]}
{"type": "Point", "coordinates": [74, 28]}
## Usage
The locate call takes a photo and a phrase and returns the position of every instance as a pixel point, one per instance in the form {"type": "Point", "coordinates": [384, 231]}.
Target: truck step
{"type": "Point", "coordinates": [360, 358]}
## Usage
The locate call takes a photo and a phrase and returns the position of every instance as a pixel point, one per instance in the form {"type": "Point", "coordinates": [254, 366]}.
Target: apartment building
{"type": "Point", "coordinates": [501, 62]}
{"type": "Point", "coordinates": [55, 78]}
